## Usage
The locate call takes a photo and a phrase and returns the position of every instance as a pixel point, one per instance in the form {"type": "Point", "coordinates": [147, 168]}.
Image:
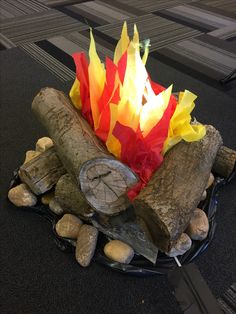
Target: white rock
{"type": "Point", "coordinates": [21, 195]}
{"type": "Point", "coordinates": [119, 251]}
{"type": "Point", "coordinates": [31, 154]}
{"type": "Point", "coordinates": [86, 244]}
{"type": "Point", "coordinates": [55, 207]}
{"type": "Point", "coordinates": [43, 144]}
{"type": "Point", "coordinates": [210, 180]}
{"type": "Point", "coordinates": [68, 226]}
{"type": "Point", "coordinates": [182, 245]}
{"type": "Point", "coordinates": [199, 226]}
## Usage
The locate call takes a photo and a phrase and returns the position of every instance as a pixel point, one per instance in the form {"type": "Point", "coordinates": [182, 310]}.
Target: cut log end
{"type": "Point", "coordinates": [156, 227]}
{"type": "Point", "coordinates": [104, 182]}
{"type": "Point", "coordinates": [225, 162]}
{"type": "Point", "coordinates": [42, 172]}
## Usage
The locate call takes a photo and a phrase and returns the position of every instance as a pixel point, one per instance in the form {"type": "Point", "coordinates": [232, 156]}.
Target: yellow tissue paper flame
{"type": "Point", "coordinates": [180, 123]}
{"type": "Point", "coordinates": [138, 106]}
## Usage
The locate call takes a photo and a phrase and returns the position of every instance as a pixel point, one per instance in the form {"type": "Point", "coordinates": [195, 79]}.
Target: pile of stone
{"type": "Point", "coordinates": [85, 236]}
{"type": "Point", "coordinates": [69, 226]}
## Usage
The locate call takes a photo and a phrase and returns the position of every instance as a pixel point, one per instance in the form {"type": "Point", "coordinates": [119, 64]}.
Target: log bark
{"type": "Point", "coordinates": [71, 199]}
{"type": "Point", "coordinates": [167, 202]}
{"type": "Point", "coordinates": [42, 172]}
{"type": "Point", "coordinates": [225, 162]}
{"type": "Point", "coordinates": [76, 144]}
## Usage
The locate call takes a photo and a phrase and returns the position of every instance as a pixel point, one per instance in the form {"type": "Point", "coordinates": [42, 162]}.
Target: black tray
{"type": "Point", "coordinates": [139, 266]}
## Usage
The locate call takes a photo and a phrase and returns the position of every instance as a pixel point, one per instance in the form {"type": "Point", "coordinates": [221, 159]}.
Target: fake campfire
{"type": "Point", "coordinates": [125, 159]}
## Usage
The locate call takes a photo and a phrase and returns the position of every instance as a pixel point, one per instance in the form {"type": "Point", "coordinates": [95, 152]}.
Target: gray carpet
{"type": "Point", "coordinates": [195, 36]}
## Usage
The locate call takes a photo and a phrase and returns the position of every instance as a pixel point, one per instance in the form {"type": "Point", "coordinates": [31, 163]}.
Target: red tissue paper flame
{"type": "Point", "coordinates": [136, 118]}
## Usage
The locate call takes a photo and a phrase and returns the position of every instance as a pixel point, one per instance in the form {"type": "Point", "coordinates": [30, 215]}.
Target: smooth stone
{"type": "Point", "coordinates": [46, 198]}
{"type": "Point", "coordinates": [210, 180]}
{"type": "Point", "coordinates": [204, 195]}
{"type": "Point", "coordinates": [119, 251]}
{"type": "Point", "coordinates": [199, 225]}
{"type": "Point", "coordinates": [21, 195]}
{"type": "Point", "coordinates": [43, 144]}
{"type": "Point", "coordinates": [68, 226]}
{"type": "Point", "coordinates": [86, 244]}
{"type": "Point", "coordinates": [55, 207]}
{"type": "Point", "coordinates": [182, 245]}
{"type": "Point", "coordinates": [31, 154]}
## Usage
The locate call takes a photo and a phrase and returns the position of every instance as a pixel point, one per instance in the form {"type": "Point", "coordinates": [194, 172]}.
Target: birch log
{"type": "Point", "coordinates": [77, 144]}
{"type": "Point", "coordinates": [167, 202]}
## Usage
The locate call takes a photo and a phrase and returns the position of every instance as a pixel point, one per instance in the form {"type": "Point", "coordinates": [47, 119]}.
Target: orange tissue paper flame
{"type": "Point", "coordinates": [137, 119]}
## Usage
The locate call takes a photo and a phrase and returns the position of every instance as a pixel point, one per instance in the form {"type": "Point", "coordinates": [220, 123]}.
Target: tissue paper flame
{"type": "Point", "coordinates": [137, 119]}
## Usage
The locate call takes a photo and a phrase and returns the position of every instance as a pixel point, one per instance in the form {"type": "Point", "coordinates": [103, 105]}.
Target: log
{"type": "Point", "coordinates": [71, 199]}
{"type": "Point", "coordinates": [126, 228]}
{"type": "Point", "coordinates": [42, 172]}
{"type": "Point", "coordinates": [225, 161]}
{"type": "Point", "coordinates": [76, 144]}
{"type": "Point", "coordinates": [167, 202]}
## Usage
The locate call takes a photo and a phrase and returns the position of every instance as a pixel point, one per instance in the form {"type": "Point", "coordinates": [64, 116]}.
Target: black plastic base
{"type": "Point", "coordinates": [139, 266]}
